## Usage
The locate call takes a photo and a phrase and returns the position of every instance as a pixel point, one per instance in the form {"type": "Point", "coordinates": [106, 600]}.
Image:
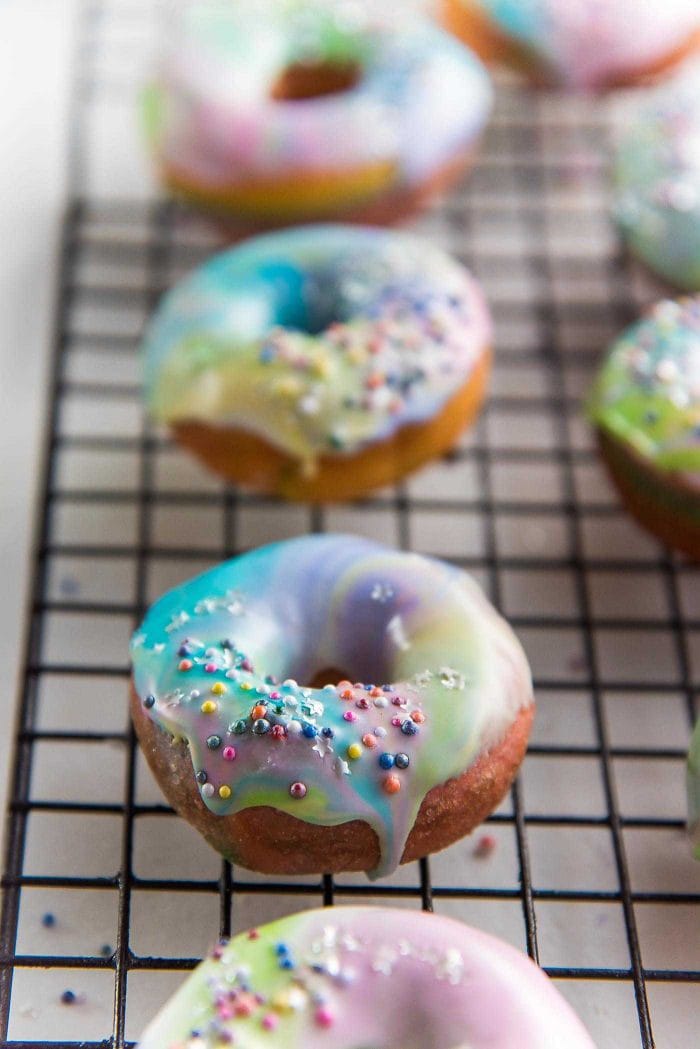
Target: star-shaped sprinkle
{"type": "Point", "coordinates": [179, 619]}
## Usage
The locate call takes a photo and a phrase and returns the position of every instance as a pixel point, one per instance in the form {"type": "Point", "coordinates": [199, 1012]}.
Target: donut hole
{"type": "Point", "coordinates": [328, 676]}
{"type": "Point", "coordinates": [303, 80]}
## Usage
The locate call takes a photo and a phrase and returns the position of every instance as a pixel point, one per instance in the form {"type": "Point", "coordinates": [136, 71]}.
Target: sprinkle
{"type": "Point", "coordinates": [149, 702]}
{"type": "Point", "coordinates": [224, 792]}
{"type": "Point", "coordinates": [48, 920]}
{"type": "Point", "coordinates": [386, 760]}
{"type": "Point", "coordinates": [324, 1017]}
{"type": "Point", "coordinates": [346, 693]}
{"type": "Point", "coordinates": [409, 728]}
{"type": "Point", "coordinates": [354, 751]}
{"type": "Point", "coordinates": [258, 711]}
{"type": "Point", "coordinates": [278, 732]}
{"type": "Point", "coordinates": [185, 664]}
{"type": "Point", "coordinates": [382, 701]}
{"type": "Point", "coordinates": [218, 688]}
{"type": "Point", "coordinates": [69, 997]}
{"type": "Point", "coordinates": [402, 761]}
{"type": "Point", "coordinates": [309, 730]}
{"type": "Point", "coordinates": [261, 726]}
{"type": "Point", "coordinates": [208, 790]}
{"type": "Point", "coordinates": [240, 726]}
{"type": "Point", "coordinates": [349, 715]}
{"type": "Point", "coordinates": [245, 686]}
{"type": "Point", "coordinates": [298, 790]}
{"type": "Point", "coordinates": [253, 934]}
{"type": "Point", "coordinates": [210, 668]}
{"type": "Point", "coordinates": [270, 1021]}
{"type": "Point", "coordinates": [396, 721]}
{"type": "Point", "coordinates": [369, 740]}
{"type": "Point", "coordinates": [327, 733]}
{"type": "Point", "coordinates": [391, 784]}
{"type": "Point", "coordinates": [228, 753]}
{"type": "Point", "coordinates": [485, 846]}
{"type": "Point", "coordinates": [208, 706]}
{"type": "Point", "coordinates": [201, 776]}
{"type": "Point", "coordinates": [417, 716]}
{"type": "Point", "coordinates": [213, 742]}
{"type": "Point", "coordinates": [380, 732]}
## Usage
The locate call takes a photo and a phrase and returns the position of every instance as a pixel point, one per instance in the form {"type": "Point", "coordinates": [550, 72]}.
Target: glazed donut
{"type": "Point", "coordinates": [580, 44]}
{"type": "Point", "coordinates": [657, 180]}
{"type": "Point", "coordinates": [366, 976]}
{"type": "Point", "coordinates": [289, 779]}
{"type": "Point", "coordinates": [320, 362]}
{"type": "Point", "coordinates": [646, 409]}
{"type": "Point", "coordinates": [693, 779]}
{"type": "Point", "coordinates": [277, 112]}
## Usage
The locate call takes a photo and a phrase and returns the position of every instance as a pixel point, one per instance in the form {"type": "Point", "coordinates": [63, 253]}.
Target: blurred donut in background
{"type": "Point", "coordinates": [269, 113]}
{"type": "Point", "coordinates": [657, 180]}
{"type": "Point", "coordinates": [579, 44]}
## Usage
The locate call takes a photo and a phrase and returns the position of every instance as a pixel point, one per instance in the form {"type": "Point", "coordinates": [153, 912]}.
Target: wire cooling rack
{"type": "Point", "coordinates": [109, 895]}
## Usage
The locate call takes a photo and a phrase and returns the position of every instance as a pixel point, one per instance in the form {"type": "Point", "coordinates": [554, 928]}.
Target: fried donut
{"type": "Point", "coordinates": [320, 362]}
{"type": "Point", "coordinates": [289, 779]}
{"type": "Point", "coordinates": [645, 406]}
{"type": "Point", "coordinates": [269, 112]}
{"type": "Point", "coordinates": [366, 976]}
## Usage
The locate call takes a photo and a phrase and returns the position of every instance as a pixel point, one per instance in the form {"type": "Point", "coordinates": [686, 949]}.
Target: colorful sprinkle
{"type": "Point", "coordinates": [354, 751]}
{"type": "Point", "coordinates": [208, 706]}
{"type": "Point", "coordinates": [298, 790]}
{"type": "Point", "coordinates": [224, 791]}
{"type": "Point", "coordinates": [228, 753]}
{"type": "Point", "coordinates": [391, 784]}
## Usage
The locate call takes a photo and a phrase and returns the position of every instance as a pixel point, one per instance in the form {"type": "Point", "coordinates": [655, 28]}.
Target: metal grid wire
{"type": "Point", "coordinates": [591, 873]}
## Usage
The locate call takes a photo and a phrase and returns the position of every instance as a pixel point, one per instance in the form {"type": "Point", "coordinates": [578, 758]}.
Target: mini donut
{"type": "Point", "coordinates": [579, 44]}
{"type": "Point", "coordinates": [271, 112]}
{"type": "Point", "coordinates": [657, 180]}
{"type": "Point", "coordinates": [646, 409]}
{"type": "Point", "coordinates": [289, 779]}
{"type": "Point", "coordinates": [366, 976]}
{"type": "Point", "coordinates": [320, 362]}
{"type": "Point", "coordinates": [693, 780]}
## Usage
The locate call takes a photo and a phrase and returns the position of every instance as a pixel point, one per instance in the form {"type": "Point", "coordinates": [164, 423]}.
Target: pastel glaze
{"type": "Point", "coordinates": [218, 660]}
{"type": "Point", "coordinates": [420, 100]}
{"type": "Point", "coordinates": [657, 180]}
{"type": "Point", "coordinates": [693, 782]}
{"type": "Point", "coordinates": [353, 977]}
{"type": "Point", "coordinates": [648, 391]}
{"type": "Point", "coordinates": [587, 43]}
{"type": "Point", "coordinates": [321, 340]}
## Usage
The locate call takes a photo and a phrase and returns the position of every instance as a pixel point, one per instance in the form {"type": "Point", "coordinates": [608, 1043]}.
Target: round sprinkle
{"type": "Point", "coordinates": [417, 716]}
{"type": "Point", "coordinates": [208, 790]}
{"type": "Point", "coordinates": [278, 732]}
{"type": "Point", "coordinates": [354, 751]}
{"type": "Point", "coordinates": [213, 742]}
{"type": "Point", "coordinates": [219, 688]}
{"type": "Point", "coordinates": [210, 668]}
{"type": "Point", "coordinates": [261, 726]}
{"type": "Point", "coordinates": [208, 706]}
{"type": "Point", "coordinates": [327, 733]}
{"type": "Point", "coordinates": [298, 790]}
{"type": "Point", "coordinates": [224, 791]}
{"type": "Point", "coordinates": [258, 711]}
{"type": "Point", "coordinates": [396, 721]}
{"type": "Point", "coordinates": [149, 701]}
{"type": "Point", "coordinates": [309, 730]}
{"type": "Point", "coordinates": [270, 1021]}
{"type": "Point", "coordinates": [245, 686]}
{"type": "Point", "coordinates": [381, 701]}
{"type": "Point", "coordinates": [286, 963]}
{"type": "Point", "coordinates": [185, 664]}
{"type": "Point", "coordinates": [202, 776]}
{"type": "Point", "coordinates": [69, 997]}
{"type": "Point", "coordinates": [409, 728]}
{"type": "Point", "coordinates": [349, 715]}
{"type": "Point", "coordinates": [380, 732]}
{"type": "Point", "coordinates": [48, 920]}
{"type": "Point", "coordinates": [391, 784]}
{"type": "Point", "coordinates": [240, 726]}
{"type": "Point", "coordinates": [369, 740]}
{"type": "Point", "coordinates": [281, 949]}
{"type": "Point", "coordinates": [402, 761]}
{"type": "Point", "coordinates": [324, 1017]}
{"type": "Point", "coordinates": [228, 753]}
{"type": "Point", "coordinates": [386, 760]}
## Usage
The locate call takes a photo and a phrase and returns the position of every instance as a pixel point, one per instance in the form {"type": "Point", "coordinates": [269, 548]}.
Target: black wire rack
{"type": "Point", "coordinates": [585, 865]}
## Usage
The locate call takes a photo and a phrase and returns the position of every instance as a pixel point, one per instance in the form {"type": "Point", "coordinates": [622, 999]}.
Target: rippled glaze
{"type": "Point", "coordinates": [587, 43]}
{"type": "Point", "coordinates": [321, 339]}
{"type": "Point", "coordinates": [648, 391]}
{"type": "Point", "coordinates": [421, 97]}
{"type": "Point", "coordinates": [442, 676]}
{"type": "Point", "coordinates": [353, 977]}
{"type": "Point", "coordinates": [657, 180]}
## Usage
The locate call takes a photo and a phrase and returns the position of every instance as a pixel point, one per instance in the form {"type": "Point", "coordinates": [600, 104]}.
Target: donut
{"type": "Point", "coordinates": [578, 44]}
{"type": "Point", "coordinates": [289, 779]}
{"type": "Point", "coordinates": [657, 180]}
{"type": "Point", "coordinates": [268, 112]}
{"type": "Point", "coordinates": [320, 362]}
{"type": "Point", "coordinates": [693, 779]}
{"type": "Point", "coordinates": [366, 976]}
{"type": "Point", "coordinates": [645, 406]}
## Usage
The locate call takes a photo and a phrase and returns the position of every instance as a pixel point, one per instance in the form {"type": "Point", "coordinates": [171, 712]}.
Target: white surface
{"type": "Point", "coordinates": [35, 45]}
